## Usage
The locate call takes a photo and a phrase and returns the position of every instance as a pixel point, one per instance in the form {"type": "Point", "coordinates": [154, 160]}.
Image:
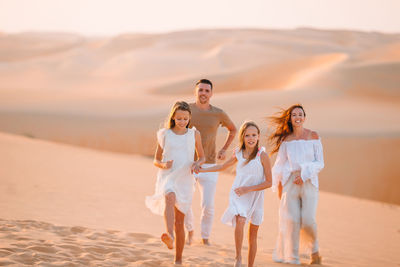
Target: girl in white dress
{"type": "Point", "coordinates": [295, 175]}
{"type": "Point", "coordinates": [246, 199]}
{"type": "Point", "coordinates": [174, 156]}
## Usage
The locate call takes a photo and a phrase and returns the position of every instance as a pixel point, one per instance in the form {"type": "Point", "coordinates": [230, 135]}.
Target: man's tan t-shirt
{"type": "Point", "coordinates": [207, 123]}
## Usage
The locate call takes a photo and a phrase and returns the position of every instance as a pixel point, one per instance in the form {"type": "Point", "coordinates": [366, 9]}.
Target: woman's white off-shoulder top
{"type": "Point", "coordinates": [304, 155]}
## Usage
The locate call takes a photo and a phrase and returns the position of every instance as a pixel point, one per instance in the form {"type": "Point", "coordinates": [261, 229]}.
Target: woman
{"type": "Point", "coordinates": [295, 174]}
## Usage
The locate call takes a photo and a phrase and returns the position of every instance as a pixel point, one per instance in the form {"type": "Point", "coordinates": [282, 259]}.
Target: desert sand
{"type": "Point", "coordinates": [68, 205]}
{"type": "Point", "coordinates": [78, 117]}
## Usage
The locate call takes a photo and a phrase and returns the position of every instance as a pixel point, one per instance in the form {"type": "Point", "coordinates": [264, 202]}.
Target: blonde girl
{"type": "Point", "coordinates": [246, 199]}
{"type": "Point", "coordinates": [176, 148]}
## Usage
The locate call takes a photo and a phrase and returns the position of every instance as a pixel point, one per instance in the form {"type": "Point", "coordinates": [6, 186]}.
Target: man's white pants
{"type": "Point", "coordinates": [297, 211]}
{"type": "Point", "coordinates": [207, 183]}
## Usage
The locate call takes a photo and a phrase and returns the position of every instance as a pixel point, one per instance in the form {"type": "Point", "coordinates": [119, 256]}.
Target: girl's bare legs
{"type": "Point", "coordinates": [169, 216]}
{"type": "Point", "coordinates": [240, 222]}
{"type": "Point", "coordinates": [253, 229]}
{"type": "Point", "coordinates": [180, 235]}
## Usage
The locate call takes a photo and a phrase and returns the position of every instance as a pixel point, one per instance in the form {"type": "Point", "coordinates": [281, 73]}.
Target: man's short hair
{"type": "Point", "coordinates": [206, 81]}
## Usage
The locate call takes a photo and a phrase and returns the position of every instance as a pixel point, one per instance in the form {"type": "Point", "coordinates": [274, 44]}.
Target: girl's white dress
{"type": "Point", "coordinates": [250, 205]}
{"type": "Point", "coordinates": [177, 179]}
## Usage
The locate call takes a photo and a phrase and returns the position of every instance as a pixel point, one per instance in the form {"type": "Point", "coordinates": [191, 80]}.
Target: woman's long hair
{"type": "Point", "coordinates": [179, 105]}
{"type": "Point", "coordinates": [242, 146]}
{"type": "Point", "coordinates": [283, 126]}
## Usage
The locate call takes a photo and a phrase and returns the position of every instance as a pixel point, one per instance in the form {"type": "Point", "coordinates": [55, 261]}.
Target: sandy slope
{"type": "Point", "coordinates": [112, 94]}
{"type": "Point", "coordinates": [355, 130]}
{"type": "Point", "coordinates": [62, 204]}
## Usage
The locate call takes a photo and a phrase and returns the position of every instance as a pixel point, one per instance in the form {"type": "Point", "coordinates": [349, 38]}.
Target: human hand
{"type": "Point", "coordinates": [168, 164]}
{"type": "Point", "coordinates": [221, 154]}
{"type": "Point", "coordinates": [296, 173]}
{"type": "Point", "coordinates": [298, 180]}
{"type": "Point", "coordinates": [195, 167]}
{"type": "Point", "coordinates": [241, 190]}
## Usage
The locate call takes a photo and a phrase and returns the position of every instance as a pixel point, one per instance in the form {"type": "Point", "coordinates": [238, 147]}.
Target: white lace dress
{"type": "Point", "coordinates": [177, 179]}
{"type": "Point", "coordinates": [250, 205]}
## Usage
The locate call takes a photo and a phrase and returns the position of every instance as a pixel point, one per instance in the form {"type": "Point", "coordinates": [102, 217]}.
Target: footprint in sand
{"type": "Point", "coordinates": [78, 229]}
{"type": "Point", "coordinates": [140, 237]}
{"type": "Point", "coordinates": [61, 231]}
{"type": "Point", "coordinates": [95, 236]}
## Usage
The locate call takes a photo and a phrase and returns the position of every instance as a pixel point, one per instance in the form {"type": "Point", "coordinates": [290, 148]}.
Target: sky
{"type": "Point", "coordinates": [112, 17]}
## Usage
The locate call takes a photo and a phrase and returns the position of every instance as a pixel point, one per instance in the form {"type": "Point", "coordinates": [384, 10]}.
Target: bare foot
{"type": "Point", "coordinates": [190, 238]}
{"type": "Point", "coordinates": [316, 258]}
{"type": "Point", "coordinates": [206, 242]}
{"type": "Point", "coordinates": [178, 262]}
{"type": "Point", "coordinates": [168, 240]}
{"type": "Point", "coordinates": [238, 263]}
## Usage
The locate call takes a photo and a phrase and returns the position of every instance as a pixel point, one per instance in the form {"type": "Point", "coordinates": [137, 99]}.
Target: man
{"type": "Point", "coordinates": [207, 118]}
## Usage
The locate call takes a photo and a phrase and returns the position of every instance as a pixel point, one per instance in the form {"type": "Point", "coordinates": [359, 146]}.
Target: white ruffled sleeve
{"type": "Point", "coordinates": [310, 170]}
{"type": "Point", "coordinates": [281, 167]}
{"type": "Point", "coordinates": [161, 137]}
{"type": "Point", "coordinates": [236, 152]}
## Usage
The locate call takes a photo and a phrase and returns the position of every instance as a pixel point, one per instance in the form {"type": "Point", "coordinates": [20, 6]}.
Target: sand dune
{"type": "Point", "coordinates": [132, 61]}
{"type": "Point", "coordinates": [287, 74]}
{"type": "Point", "coordinates": [63, 204]}
{"type": "Point", "coordinates": [374, 80]}
{"type": "Point", "coordinates": [67, 205]}
{"type": "Point", "coordinates": [28, 46]}
{"type": "Point", "coordinates": [382, 54]}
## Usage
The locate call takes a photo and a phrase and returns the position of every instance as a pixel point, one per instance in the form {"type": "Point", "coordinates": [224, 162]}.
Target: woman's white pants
{"type": "Point", "coordinates": [297, 211]}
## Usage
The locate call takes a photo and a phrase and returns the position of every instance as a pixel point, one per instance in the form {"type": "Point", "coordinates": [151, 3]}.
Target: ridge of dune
{"type": "Point", "coordinates": [28, 46]}
{"type": "Point", "coordinates": [372, 80]}
{"type": "Point", "coordinates": [289, 74]}
{"type": "Point", "coordinates": [131, 61]}
{"type": "Point", "coordinates": [319, 64]}
{"type": "Point", "coordinates": [382, 54]}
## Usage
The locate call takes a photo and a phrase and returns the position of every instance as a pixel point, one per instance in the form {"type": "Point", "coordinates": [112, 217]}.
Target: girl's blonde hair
{"type": "Point", "coordinates": [179, 105]}
{"type": "Point", "coordinates": [242, 146]}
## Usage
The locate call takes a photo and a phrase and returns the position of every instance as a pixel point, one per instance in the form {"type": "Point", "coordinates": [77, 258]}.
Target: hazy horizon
{"type": "Point", "coordinates": [106, 18]}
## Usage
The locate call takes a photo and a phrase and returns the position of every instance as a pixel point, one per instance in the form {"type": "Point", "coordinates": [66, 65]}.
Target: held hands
{"type": "Point", "coordinates": [297, 180]}
{"type": "Point", "coordinates": [221, 154]}
{"type": "Point", "coordinates": [168, 164]}
{"type": "Point", "coordinates": [201, 169]}
{"type": "Point", "coordinates": [196, 168]}
{"type": "Point", "coordinates": [242, 190]}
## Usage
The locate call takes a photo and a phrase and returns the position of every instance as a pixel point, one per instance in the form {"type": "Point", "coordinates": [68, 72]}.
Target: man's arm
{"type": "Point", "coordinates": [229, 138]}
